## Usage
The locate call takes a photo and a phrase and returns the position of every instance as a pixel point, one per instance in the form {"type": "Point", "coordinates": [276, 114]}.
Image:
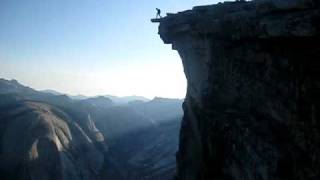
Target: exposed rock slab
{"type": "Point", "coordinates": [39, 141]}
{"type": "Point", "coordinates": [253, 99]}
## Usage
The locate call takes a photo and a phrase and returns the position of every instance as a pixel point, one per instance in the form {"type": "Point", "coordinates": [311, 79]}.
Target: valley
{"type": "Point", "coordinates": [87, 138]}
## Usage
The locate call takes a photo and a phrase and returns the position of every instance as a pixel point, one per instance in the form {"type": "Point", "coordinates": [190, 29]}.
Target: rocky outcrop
{"type": "Point", "coordinates": [39, 141]}
{"type": "Point", "coordinates": [253, 98]}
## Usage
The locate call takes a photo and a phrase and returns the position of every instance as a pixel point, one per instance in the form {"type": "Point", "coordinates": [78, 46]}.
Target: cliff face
{"type": "Point", "coordinates": [253, 99]}
{"type": "Point", "coordinates": [39, 141]}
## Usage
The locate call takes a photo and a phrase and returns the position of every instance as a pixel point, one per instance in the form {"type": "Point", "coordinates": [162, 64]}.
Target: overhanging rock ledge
{"type": "Point", "coordinates": [253, 97]}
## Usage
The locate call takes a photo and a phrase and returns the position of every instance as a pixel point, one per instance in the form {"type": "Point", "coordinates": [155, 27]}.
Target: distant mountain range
{"type": "Point", "coordinates": [142, 135]}
{"type": "Point", "coordinates": [115, 99]}
{"type": "Point", "coordinates": [126, 99]}
{"type": "Point", "coordinates": [51, 92]}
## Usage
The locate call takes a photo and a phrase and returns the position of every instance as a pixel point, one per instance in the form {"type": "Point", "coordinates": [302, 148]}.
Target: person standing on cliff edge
{"type": "Point", "coordinates": [158, 13]}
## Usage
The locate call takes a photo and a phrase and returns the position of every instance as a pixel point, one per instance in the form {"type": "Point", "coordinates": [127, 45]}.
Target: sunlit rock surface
{"type": "Point", "coordinates": [39, 141]}
{"type": "Point", "coordinates": [252, 104]}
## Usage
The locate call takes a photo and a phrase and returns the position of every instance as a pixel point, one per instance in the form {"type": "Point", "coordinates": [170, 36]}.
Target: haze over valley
{"type": "Point", "coordinates": [124, 138]}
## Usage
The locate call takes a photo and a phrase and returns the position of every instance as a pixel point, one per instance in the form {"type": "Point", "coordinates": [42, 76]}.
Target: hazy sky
{"type": "Point", "coordinates": [91, 47]}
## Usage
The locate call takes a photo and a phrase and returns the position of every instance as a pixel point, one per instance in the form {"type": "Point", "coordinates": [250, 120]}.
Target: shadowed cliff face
{"type": "Point", "coordinates": [253, 101]}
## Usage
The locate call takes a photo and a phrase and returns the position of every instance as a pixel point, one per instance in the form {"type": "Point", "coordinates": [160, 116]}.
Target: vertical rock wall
{"type": "Point", "coordinates": [253, 97]}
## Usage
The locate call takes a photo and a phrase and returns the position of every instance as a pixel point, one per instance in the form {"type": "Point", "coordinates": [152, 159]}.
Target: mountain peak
{"type": "Point", "coordinates": [13, 86]}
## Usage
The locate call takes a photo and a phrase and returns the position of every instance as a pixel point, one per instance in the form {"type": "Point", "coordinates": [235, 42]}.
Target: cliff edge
{"type": "Point", "coordinates": [253, 97]}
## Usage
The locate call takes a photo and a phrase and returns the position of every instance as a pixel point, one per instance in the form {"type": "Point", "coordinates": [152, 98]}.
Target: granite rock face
{"type": "Point", "coordinates": [39, 141]}
{"type": "Point", "coordinates": [253, 98]}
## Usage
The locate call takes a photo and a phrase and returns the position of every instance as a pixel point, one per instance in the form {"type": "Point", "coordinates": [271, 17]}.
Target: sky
{"type": "Point", "coordinates": [91, 47]}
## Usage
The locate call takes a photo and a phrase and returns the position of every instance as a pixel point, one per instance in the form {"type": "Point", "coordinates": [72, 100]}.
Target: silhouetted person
{"type": "Point", "coordinates": [158, 13]}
